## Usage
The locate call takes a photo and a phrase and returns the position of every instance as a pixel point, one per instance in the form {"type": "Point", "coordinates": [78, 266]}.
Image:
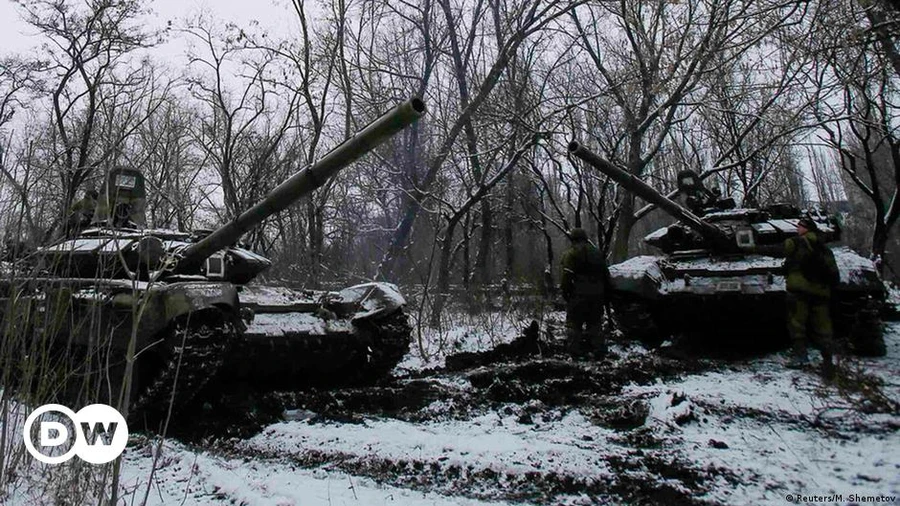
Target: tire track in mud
{"type": "Point", "coordinates": [636, 477]}
{"type": "Point", "coordinates": [535, 390]}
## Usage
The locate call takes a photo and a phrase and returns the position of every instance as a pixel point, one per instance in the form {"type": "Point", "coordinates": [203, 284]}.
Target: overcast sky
{"type": "Point", "coordinates": [17, 37]}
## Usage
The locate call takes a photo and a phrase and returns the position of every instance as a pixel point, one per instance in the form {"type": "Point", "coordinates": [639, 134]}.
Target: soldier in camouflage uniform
{"type": "Point", "coordinates": [585, 283]}
{"type": "Point", "coordinates": [808, 301]}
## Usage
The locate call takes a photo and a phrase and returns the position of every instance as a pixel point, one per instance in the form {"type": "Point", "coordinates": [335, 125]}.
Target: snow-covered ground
{"type": "Point", "coordinates": [710, 432]}
{"type": "Point", "coordinates": [760, 431]}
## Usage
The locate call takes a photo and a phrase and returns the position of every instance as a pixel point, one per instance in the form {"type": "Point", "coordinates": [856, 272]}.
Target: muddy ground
{"type": "Point", "coordinates": [528, 423]}
{"type": "Point", "coordinates": [534, 381]}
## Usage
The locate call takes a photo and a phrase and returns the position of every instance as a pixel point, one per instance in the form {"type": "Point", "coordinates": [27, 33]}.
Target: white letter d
{"type": "Point", "coordinates": [62, 434]}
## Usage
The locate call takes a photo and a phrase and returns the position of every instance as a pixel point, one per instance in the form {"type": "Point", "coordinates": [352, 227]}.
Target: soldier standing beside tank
{"type": "Point", "coordinates": [585, 282]}
{"type": "Point", "coordinates": [808, 300]}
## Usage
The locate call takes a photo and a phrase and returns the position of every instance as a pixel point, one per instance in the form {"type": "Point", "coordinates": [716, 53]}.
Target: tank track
{"type": "Point", "coordinates": [195, 350]}
{"type": "Point", "coordinates": [635, 320]}
{"type": "Point", "coordinates": [858, 326]}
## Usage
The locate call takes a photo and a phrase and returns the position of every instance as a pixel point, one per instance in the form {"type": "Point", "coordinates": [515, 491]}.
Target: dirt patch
{"type": "Point", "coordinates": [533, 382]}
{"type": "Point", "coordinates": [552, 381]}
{"type": "Point", "coordinates": [638, 478]}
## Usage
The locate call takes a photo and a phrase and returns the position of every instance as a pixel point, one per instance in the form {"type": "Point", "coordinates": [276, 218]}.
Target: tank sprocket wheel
{"type": "Point", "coordinates": [635, 321]}
{"type": "Point", "coordinates": [194, 351]}
{"type": "Point", "coordinates": [860, 321]}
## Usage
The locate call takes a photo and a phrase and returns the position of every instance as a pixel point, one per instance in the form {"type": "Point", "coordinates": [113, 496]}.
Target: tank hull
{"type": "Point", "coordinates": [304, 338]}
{"type": "Point", "coordinates": [69, 339]}
{"type": "Point", "coordinates": [736, 297]}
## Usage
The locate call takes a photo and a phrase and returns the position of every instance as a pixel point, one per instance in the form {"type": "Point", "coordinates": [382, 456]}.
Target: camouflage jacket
{"type": "Point", "coordinates": [584, 272]}
{"type": "Point", "coordinates": [795, 252]}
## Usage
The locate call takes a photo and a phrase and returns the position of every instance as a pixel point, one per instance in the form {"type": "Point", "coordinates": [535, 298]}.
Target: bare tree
{"type": "Point", "coordinates": [239, 128]}
{"type": "Point", "coordinates": [517, 22]}
{"type": "Point", "coordinates": [16, 77]}
{"type": "Point", "coordinates": [87, 46]}
{"type": "Point", "coordinates": [651, 60]}
{"type": "Point", "coordinates": [856, 83]}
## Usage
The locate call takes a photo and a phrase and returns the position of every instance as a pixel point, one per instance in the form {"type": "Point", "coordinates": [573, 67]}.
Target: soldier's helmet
{"type": "Point", "coordinates": [808, 223]}
{"type": "Point", "coordinates": [578, 234]}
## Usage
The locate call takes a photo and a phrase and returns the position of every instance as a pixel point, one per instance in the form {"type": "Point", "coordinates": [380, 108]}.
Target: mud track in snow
{"type": "Point", "coordinates": [533, 392]}
{"type": "Point", "coordinates": [614, 454]}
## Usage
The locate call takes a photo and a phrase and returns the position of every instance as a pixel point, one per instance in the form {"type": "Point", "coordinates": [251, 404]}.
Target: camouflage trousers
{"type": "Point", "coordinates": [809, 317]}
{"type": "Point", "coordinates": [584, 319]}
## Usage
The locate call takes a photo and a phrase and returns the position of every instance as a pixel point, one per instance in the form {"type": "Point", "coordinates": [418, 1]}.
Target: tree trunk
{"type": "Point", "coordinates": [483, 261]}
{"type": "Point", "coordinates": [508, 229]}
{"type": "Point", "coordinates": [467, 256]}
{"type": "Point", "coordinates": [443, 285]}
{"type": "Point", "coordinates": [314, 222]}
{"type": "Point", "coordinates": [623, 228]}
{"type": "Point", "coordinates": [879, 242]}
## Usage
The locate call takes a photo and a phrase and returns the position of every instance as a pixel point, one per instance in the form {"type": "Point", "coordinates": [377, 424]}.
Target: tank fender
{"type": "Point", "coordinates": [639, 276]}
{"type": "Point", "coordinates": [182, 298]}
{"type": "Point", "coordinates": [857, 272]}
{"type": "Point", "coordinates": [372, 300]}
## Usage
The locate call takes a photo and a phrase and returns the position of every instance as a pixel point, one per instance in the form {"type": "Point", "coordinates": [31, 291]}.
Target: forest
{"type": "Point", "coordinates": [460, 390]}
{"type": "Point", "coordinates": [773, 101]}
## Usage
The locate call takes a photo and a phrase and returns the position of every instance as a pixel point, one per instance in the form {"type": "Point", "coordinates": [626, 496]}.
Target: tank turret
{"type": "Point", "coordinates": [646, 192]}
{"type": "Point", "coordinates": [116, 245]}
{"type": "Point", "coordinates": [722, 265]}
{"type": "Point", "coordinates": [708, 221]}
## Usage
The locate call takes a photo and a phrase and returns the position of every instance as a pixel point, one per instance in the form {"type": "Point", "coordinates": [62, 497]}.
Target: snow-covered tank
{"type": "Point", "coordinates": [179, 309]}
{"type": "Point", "coordinates": [721, 275]}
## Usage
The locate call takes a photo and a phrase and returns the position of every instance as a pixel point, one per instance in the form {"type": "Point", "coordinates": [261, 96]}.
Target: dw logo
{"type": "Point", "coordinates": [100, 434]}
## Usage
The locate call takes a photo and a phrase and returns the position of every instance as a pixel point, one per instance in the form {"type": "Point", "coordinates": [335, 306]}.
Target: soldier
{"type": "Point", "coordinates": [82, 212]}
{"type": "Point", "coordinates": [808, 296]}
{"type": "Point", "coordinates": [585, 282]}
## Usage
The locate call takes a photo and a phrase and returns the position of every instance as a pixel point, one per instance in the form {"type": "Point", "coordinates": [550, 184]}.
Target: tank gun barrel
{"type": "Point", "coordinates": [307, 180]}
{"type": "Point", "coordinates": [646, 192]}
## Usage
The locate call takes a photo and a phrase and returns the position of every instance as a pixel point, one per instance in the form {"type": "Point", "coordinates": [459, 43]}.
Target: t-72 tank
{"type": "Point", "coordinates": [110, 299]}
{"type": "Point", "coordinates": [721, 272]}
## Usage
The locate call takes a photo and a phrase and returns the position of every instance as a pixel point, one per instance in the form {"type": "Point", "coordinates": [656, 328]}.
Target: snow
{"type": "Point", "coordinates": [248, 255]}
{"type": "Point", "coordinates": [778, 455]}
{"type": "Point", "coordinates": [278, 295]}
{"type": "Point", "coordinates": [368, 300]}
{"type": "Point", "coordinates": [771, 454]}
{"type": "Point", "coordinates": [464, 332]}
{"type": "Point", "coordinates": [782, 451]}
{"type": "Point", "coordinates": [715, 265]}
{"type": "Point", "coordinates": [278, 324]}
{"type": "Point", "coordinates": [656, 234]}
{"type": "Point", "coordinates": [186, 476]}
{"type": "Point", "coordinates": [635, 268]}
{"type": "Point", "coordinates": [373, 298]}
{"type": "Point", "coordinates": [493, 441]}
{"type": "Point", "coordinates": [769, 432]}
{"type": "Point", "coordinates": [79, 245]}
{"type": "Point", "coordinates": [853, 267]}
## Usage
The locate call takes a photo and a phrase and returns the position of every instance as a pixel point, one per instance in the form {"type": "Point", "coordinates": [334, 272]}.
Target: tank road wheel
{"type": "Point", "coordinates": [636, 321]}
{"type": "Point", "coordinates": [192, 353]}
{"type": "Point", "coordinates": [389, 338]}
{"type": "Point", "coordinates": [858, 322]}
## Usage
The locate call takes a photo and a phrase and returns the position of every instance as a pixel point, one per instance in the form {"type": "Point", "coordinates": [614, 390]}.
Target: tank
{"type": "Point", "coordinates": [720, 274]}
{"type": "Point", "coordinates": [108, 300]}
